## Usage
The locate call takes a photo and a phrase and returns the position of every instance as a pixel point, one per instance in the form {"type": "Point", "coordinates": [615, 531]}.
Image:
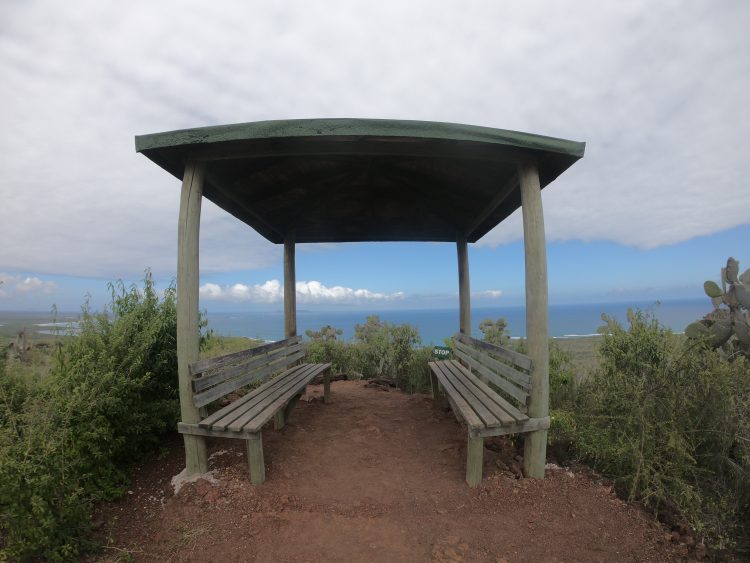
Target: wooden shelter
{"type": "Point", "coordinates": [347, 180]}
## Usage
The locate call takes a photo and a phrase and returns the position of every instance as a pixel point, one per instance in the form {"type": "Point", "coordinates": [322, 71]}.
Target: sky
{"type": "Point", "coordinates": [658, 91]}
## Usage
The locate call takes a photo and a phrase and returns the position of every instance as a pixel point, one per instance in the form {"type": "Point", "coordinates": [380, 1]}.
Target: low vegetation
{"type": "Point", "coordinates": [69, 436]}
{"type": "Point", "coordinates": [379, 349]}
{"type": "Point", "coordinates": [666, 417]}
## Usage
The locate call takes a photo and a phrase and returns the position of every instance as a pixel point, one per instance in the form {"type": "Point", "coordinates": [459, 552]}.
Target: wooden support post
{"type": "Point", "coordinates": [474, 460]}
{"type": "Point", "coordinates": [291, 404]}
{"type": "Point", "coordinates": [537, 329]}
{"type": "Point", "coordinates": [327, 386]}
{"type": "Point", "coordinates": [290, 289]}
{"type": "Point", "coordinates": [434, 385]}
{"type": "Point", "coordinates": [279, 419]}
{"type": "Point", "coordinates": [255, 461]}
{"type": "Point", "coordinates": [188, 338]}
{"type": "Point", "coordinates": [282, 415]}
{"type": "Point", "coordinates": [464, 295]}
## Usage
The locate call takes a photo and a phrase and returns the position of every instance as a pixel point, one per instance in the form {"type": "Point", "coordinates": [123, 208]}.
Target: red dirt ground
{"type": "Point", "coordinates": [374, 476]}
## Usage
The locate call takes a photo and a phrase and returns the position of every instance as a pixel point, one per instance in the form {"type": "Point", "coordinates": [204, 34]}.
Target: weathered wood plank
{"type": "Point", "coordinates": [256, 417]}
{"type": "Point", "coordinates": [530, 425]}
{"type": "Point", "coordinates": [482, 394]}
{"type": "Point", "coordinates": [227, 359]}
{"type": "Point", "coordinates": [256, 463]}
{"type": "Point", "coordinates": [327, 386]}
{"type": "Point", "coordinates": [238, 405]}
{"type": "Point", "coordinates": [233, 384]}
{"type": "Point", "coordinates": [522, 361]}
{"type": "Point", "coordinates": [537, 321]}
{"type": "Point", "coordinates": [459, 381]}
{"type": "Point", "coordinates": [464, 289]}
{"type": "Point", "coordinates": [188, 239]}
{"type": "Point", "coordinates": [290, 288]}
{"type": "Point", "coordinates": [501, 401]}
{"type": "Point", "coordinates": [434, 385]}
{"type": "Point", "coordinates": [216, 376]}
{"type": "Point", "coordinates": [520, 378]}
{"type": "Point", "coordinates": [195, 430]}
{"type": "Point", "coordinates": [515, 392]}
{"type": "Point", "coordinates": [262, 406]}
{"type": "Point", "coordinates": [259, 397]}
{"type": "Point", "coordinates": [290, 405]}
{"type": "Point", "coordinates": [474, 460]}
{"type": "Point", "coordinates": [467, 413]}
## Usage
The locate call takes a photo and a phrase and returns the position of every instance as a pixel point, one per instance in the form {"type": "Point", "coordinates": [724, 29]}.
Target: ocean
{"type": "Point", "coordinates": [566, 321]}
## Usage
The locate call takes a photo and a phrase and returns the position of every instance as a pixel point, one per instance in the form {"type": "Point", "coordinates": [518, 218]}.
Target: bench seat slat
{"type": "Point", "coordinates": [504, 404]}
{"type": "Point", "coordinates": [265, 413]}
{"type": "Point", "coordinates": [503, 410]}
{"type": "Point", "coordinates": [483, 395]}
{"type": "Point", "coordinates": [253, 396]}
{"type": "Point", "coordinates": [264, 399]}
{"type": "Point", "coordinates": [471, 395]}
{"type": "Point", "coordinates": [468, 414]}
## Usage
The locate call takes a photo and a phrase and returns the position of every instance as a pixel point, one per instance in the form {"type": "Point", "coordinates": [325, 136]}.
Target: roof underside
{"type": "Point", "coordinates": [350, 180]}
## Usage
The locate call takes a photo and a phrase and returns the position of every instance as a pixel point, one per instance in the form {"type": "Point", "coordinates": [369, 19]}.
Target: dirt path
{"type": "Point", "coordinates": [374, 476]}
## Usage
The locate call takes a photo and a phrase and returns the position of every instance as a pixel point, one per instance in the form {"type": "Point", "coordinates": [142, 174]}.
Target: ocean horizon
{"type": "Point", "coordinates": [434, 325]}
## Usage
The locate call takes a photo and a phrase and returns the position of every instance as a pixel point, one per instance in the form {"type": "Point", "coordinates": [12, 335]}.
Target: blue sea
{"type": "Point", "coordinates": [566, 321]}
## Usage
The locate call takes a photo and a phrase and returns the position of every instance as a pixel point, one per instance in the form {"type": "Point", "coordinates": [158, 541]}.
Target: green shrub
{"type": "Point", "coordinates": [379, 349]}
{"type": "Point", "coordinates": [495, 332]}
{"type": "Point", "coordinates": [670, 423]}
{"type": "Point", "coordinates": [67, 442]}
{"type": "Point", "coordinates": [388, 347]}
{"type": "Point", "coordinates": [561, 374]}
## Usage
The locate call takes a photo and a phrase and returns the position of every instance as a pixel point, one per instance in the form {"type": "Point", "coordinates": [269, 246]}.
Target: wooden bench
{"type": "Point", "coordinates": [488, 387]}
{"type": "Point", "coordinates": [244, 418]}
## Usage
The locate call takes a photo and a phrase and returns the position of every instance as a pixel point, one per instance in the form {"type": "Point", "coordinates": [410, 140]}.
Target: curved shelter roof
{"type": "Point", "coordinates": [350, 180]}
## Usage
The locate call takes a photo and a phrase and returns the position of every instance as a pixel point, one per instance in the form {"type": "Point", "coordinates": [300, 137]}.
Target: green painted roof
{"type": "Point", "coordinates": [340, 180]}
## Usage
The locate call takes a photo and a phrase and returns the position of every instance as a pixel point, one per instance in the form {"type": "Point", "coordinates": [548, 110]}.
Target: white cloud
{"type": "Point", "coordinates": [658, 92]}
{"type": "Point", "coordinates": [10, 285]}
{"type": "Point", "coordinates": [307, 292]}
{"type": "Point", "coordinates": [487, 294]}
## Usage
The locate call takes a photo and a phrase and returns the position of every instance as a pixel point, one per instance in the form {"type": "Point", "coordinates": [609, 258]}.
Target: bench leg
{"type": "Point", "coordinates": [474, 460]}
{"type": "Point", "coordinates": [327, 386]}
{"type": "Point", "coordinates": [434, 385]}
{"type": "Point", "coordinates": [255, 459]}
{"type": "Point", "coordinates": [279, 419]}
{"type": "Point", "coordinates": [291, 404]}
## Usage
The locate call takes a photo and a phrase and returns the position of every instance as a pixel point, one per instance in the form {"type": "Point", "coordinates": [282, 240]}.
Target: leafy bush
{"type": "Point", "coordinates": [388, 347]}
{"type": "Point", "coordinates": [379, 349]}
{"type": "Point", "coordinates": [495, 332]}
{"type": "Point", "coordinates": [69, 441]}
{"type": "Point", "coordinates": [670, 422]}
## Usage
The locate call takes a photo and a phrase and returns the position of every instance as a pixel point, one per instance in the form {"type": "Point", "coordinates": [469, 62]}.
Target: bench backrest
{"type": "Point", "coordinates": [504, 368]}
{"type": "Point", "coordinates": [215, 377]}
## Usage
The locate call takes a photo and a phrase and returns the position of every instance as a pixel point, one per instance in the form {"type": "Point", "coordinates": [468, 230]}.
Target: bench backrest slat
{"type": "Point", "coordinates": [495, 364]}
{"type": "Point", "coordinates": [520, 360]}
{"type": "Point", "coordinates": [227, 359]}
{"type": "Point", "coordinates": [210, 378]}
{"type": "Point", "coordinates": [215, 377]}
{"type": "Point", "coordinates": [260, 374]}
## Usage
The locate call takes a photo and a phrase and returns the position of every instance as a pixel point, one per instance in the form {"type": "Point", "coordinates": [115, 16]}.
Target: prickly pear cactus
{"type": "Point", "coordinates": [728, 325]}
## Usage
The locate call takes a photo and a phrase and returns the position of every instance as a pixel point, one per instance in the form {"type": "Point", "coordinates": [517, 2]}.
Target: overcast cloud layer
{"type": "Point", "coordinates": [658, 90]}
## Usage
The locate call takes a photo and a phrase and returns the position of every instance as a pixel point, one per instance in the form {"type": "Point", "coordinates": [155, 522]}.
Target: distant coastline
{"type": "Point", "coordinates": [566, 321]}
